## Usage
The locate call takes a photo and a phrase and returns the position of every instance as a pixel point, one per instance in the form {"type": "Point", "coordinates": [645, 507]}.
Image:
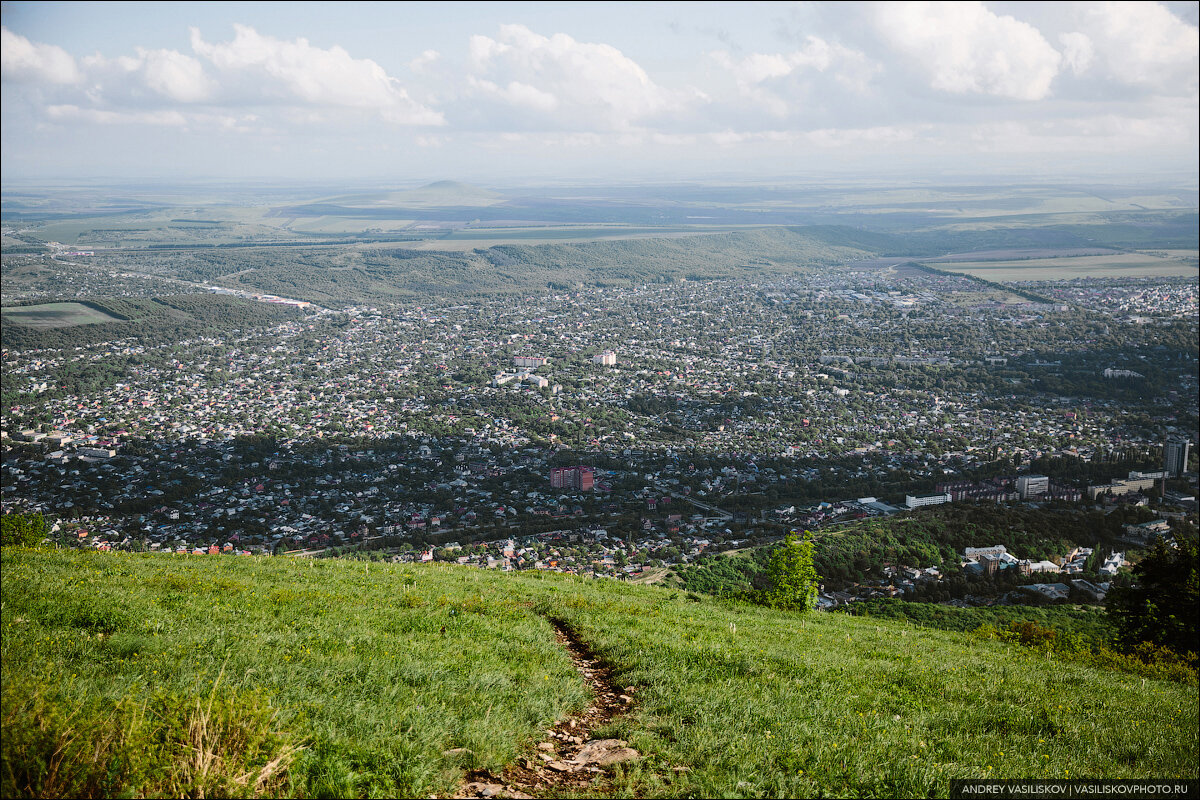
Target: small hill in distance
{"type": "Point", "coordinates": [440, 194]}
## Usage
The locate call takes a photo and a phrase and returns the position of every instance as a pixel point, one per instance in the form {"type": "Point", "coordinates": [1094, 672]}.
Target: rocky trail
{"type": "Point", "coordinates": [568, 758]}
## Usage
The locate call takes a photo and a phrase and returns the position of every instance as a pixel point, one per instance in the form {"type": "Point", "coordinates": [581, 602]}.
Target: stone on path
{"type": "Point", "coordinates": [603, 752]}
{"type": "Point", "coordinates": [490, 790]}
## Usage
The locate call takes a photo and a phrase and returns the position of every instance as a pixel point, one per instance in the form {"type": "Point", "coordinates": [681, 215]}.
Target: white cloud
{"type": "Point", "coordinates": [882, 136]}
{"type": "Point", "coordinates": [579, 83]}
{"type": "Point", "coordinates": [817, 54]}
{"type": "Point", "coordinates": [298, 72]}
{"type": "Point", "coordinates": [759, 76]}
{"type": "Point", "coordinates": [147, 79]}
{"type": "Point", "coordinates": [166, 87]}
{"type": "Point", "coordinates": [517, 94]}
{"type": "Point", "coordinates": [1144, 44]}
{"type": "Point", "coordinates": [23, 60]}
{"type": "Point", "coordinates": [966, 48]}
{"type": "Point", "coordinates": [69, 113]}
{"type": "Point", "coordinates": [422, 62]}
{"type": "Point", "coordinates": [856, 82]}
{"type": "Point", "coordinates": [1078, 52]}
{"type": "Point", "coordinates": [174, 75]}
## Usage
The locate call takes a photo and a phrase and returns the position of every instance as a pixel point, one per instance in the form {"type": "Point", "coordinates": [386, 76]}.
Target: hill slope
{"type": "Point", "coordinates": [168, 674]}
{"type": "Point", "coordinates": [437, 194]}
{"type": "Point", "coordinates": [382, 274]}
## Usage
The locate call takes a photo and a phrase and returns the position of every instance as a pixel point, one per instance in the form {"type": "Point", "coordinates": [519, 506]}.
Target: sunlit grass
{"type": "Point", "coordinates": [359, 679]}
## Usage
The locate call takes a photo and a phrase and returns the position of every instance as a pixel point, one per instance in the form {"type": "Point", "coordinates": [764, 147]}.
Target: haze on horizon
{"type": "Point", "coordinates": [597, 91]}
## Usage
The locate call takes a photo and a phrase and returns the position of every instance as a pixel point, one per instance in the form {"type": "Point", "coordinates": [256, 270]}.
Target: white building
{"type": "Point", "coordinates": [926, 500]}
{"type": "Point", "coordinates": [606, 359]}
{"type": "Point", "coordinates": [975, 552]}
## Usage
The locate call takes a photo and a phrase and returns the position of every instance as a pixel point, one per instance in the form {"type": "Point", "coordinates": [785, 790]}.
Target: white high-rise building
{"type": "Point", "coordinates": [1032, 485]}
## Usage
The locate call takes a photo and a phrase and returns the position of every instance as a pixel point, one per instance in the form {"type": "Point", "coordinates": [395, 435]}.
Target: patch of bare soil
{"type": "Point", "coordinates": [569, 758]}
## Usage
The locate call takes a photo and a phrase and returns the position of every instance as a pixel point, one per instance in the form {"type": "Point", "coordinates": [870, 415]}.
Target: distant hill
{"type": "Point", "coordinates": [441, 194]}
{"type": "Point", "coordinates": [353, 679]}
{"type": "Point", "coordinates": [382, 274]}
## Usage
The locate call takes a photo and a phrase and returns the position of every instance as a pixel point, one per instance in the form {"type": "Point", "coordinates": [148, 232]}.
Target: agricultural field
{"type": "Point", "coordinates": [472, 238]}
{"type": "Point", "coordinates": [154, 675]}
{"type": "Point", "coordinates": [179, 226]}
{"type": "Point", "coordinates": [341, 226]}
{"type": "Point", "coordinates": [1123, 265]}
{"type": "Point", "coordinates": [56, 315]}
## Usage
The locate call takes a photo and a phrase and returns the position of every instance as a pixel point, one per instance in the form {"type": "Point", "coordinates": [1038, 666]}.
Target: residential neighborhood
{"type": "Point", "coordinates": [604, 431]}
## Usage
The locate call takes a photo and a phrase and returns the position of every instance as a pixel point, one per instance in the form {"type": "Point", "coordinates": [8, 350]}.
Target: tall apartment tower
{"type": "Point", "coordinates": [581, 477]}
{"type": "Point", "coordinates": [1175, 456]}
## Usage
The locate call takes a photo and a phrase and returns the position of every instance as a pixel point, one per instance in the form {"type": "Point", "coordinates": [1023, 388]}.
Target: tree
{"type": "Point", "coordinates": [23, 530]}
{"type": "Point", "coordinates": [1160, 606]}
{"type": "Point", "coordinates": [791, 577]}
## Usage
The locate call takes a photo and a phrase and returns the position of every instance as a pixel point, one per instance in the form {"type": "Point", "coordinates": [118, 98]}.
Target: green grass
{"type": "Point", "coordinates": [56, 315]}
{"type": "Point", "coordinates": [336, 679]}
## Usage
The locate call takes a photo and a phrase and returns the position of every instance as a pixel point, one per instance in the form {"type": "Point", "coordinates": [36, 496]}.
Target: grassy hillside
{"type": "Point", "coordinates": [395, 273]}
{"type": "Point", "coordinates": [381, 274]}
{"type": "Point", "coordinates": [164, 675]}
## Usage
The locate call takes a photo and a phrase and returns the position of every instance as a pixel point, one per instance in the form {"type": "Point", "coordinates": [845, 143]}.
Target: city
{"type": "Point", "coordinates": [710, 415]}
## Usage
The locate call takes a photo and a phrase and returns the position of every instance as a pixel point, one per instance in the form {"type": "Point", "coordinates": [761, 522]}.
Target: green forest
{"type": "Point", "coordinates": [933, 537]}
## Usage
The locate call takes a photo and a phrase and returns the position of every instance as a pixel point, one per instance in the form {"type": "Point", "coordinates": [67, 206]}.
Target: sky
{"type": "Point", "coordinates": [601, 92]}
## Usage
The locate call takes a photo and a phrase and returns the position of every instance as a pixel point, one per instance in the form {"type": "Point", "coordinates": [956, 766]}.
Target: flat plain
{"type": "Point", "coordinates": [56, 315]}
{"type": "Point", "coordinates": [1123, 265]}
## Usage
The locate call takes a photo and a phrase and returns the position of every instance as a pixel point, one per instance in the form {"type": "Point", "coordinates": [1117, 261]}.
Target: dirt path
{"type": "Point", "coordinates": [568, 758]}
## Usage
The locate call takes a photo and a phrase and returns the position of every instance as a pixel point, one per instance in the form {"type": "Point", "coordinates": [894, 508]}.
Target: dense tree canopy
{"type": "Point", "coordinates": [23, 530]}
{"type": "Point", "coordinates": [1160, 606]}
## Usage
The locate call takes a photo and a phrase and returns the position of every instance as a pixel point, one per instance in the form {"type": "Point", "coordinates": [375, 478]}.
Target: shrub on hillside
{"type": "Point", "coordinates": [790, 576]}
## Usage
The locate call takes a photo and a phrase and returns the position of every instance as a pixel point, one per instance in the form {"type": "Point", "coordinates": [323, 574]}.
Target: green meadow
{"type": "Point", "coordinates": [158, 675]}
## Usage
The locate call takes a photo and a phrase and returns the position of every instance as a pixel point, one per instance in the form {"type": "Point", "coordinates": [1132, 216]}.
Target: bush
{"type": "Point", "coordinates": [1147, 660]}
{"type": "Point", "coordinates": [791, 578]}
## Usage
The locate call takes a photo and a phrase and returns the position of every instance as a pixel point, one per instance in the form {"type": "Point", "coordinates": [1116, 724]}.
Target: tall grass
{"type": "Point", "coordinates": [171, 676]}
